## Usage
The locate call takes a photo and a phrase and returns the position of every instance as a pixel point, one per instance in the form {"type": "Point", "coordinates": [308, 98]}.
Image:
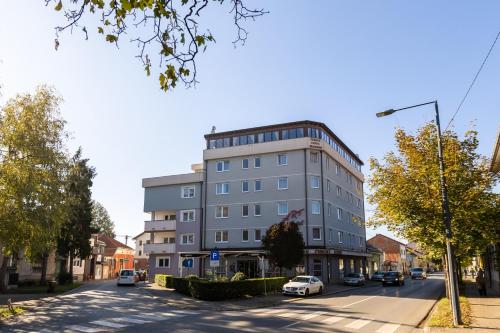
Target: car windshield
{"type": "Point", "coordinates": [391, 274]}
{"type": "Point", "coordinates": [127, 273]}
{"type": "Point", "coordinates": [418, 270]}
{"type": "Point", "coordinates": [352, 275]}
{"type": "Point", "coordinates": [301, 279]}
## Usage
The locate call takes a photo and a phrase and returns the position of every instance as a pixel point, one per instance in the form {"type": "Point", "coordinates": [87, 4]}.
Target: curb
{"type": "Point", "coordinates": [424, 320]}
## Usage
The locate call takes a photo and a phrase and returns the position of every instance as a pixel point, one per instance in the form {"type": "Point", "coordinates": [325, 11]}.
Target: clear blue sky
{"type": "Point", "coordinates": [329, 61]}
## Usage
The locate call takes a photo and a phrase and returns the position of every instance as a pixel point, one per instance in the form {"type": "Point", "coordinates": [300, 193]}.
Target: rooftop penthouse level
{"type": "Point", "coordinates": [286, 131]}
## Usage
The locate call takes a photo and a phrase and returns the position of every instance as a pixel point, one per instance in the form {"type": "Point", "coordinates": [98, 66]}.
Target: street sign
{"type": "Point", "coordinates": [214, 263]}
{"type": "Point", "coordinates": [214, 255]}
{"type": "Point", "coordinates": [187, 263]}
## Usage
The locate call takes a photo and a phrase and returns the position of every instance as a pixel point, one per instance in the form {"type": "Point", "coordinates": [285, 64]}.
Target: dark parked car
{"type": "Point", "coordinates": [395, 278]}
{"type": "Point", "coordinates": [377, 276]}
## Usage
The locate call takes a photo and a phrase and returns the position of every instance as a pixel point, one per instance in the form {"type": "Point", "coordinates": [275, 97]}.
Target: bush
{"type": "Point", "coordinates": [218, 290]}
{"type": "Point", "coordinates": [164, 280]}
{"type": "Point", "coordinates": [240, 276]}
{"type": "Point", "coordinates": [192, 277]}
{"type": "Point", "coordinates": [64, 277]}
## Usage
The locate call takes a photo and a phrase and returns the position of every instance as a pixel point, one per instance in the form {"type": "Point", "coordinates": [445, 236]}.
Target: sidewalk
{"type": "Point", "coordinates": [485, 313]}
{"type": "Point", "coordinates": [172, 298]}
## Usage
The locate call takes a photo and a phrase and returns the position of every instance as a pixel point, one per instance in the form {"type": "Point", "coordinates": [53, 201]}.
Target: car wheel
{"type": "Point", "coordinates": [320, 290]}
{"type": "Point", "coordinates": [307, 292]}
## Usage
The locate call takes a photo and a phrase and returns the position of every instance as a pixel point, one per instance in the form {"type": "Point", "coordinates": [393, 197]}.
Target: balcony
{"type": "Point", "coordinates": [159, 248]}
{"type": "Point", "coordinates": [161, 225]}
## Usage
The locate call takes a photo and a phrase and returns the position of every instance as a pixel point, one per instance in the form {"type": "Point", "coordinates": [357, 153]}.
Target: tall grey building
{"type": "Point", "coordinates": [250, 179]}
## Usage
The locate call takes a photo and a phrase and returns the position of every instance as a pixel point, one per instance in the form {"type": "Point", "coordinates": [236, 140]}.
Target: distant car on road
{"type": "Point", "coordinates": [126, 277]}
{"type": "Point", "coordinates": [303, 285]}
{"type": "Point", "coordinates": [377, 276]}
{"type": "Point", "coordinates": [418, 273]}
{"type": "Point", "coordinates": [354, 279]}
{"type": "Point", "coordinates": [395, 278]}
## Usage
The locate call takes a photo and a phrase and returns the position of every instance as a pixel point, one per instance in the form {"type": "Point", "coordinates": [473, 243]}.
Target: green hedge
{"type": "Point", "coordinates": [164, 280]}
{"type": "Point", "coordinates": [216, 290]}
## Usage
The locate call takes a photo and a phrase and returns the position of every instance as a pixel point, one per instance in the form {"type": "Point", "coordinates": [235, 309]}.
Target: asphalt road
{"type": "Point", "coordinates": [107, 308]}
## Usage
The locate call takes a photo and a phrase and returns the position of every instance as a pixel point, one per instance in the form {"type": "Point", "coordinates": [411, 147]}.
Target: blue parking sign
{"type": "Point", "coordinates": [214, 255]}
{"type": "Point", "coordinates": [187, 263]}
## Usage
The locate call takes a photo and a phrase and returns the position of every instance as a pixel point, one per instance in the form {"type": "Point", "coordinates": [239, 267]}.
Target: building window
{"type": "Point", "coordinates": [221, 236]}
{"type": "Point", "coordinates": [316, 207]}
{"type": "Point", "coordinates": [317, 268]}
{"type": "Point", "coordinates": [329, 209]}
{"type": "Point", "coordinates": [187, 215]}
{"type": "Point", "coordinates": [361, 241]}
{"type": "Point", "coordinates": [314, 157]}
{"type": "Point", "coordinates": [256, 210]}
{"type": "Point", "coordinates": [282, 208]}
{"type": "Point", "coordinates": [316, 233]}
{"type": "Point", "coordinates": [327, 162]}
{"type": "Point", "coordinates": [244, 163]}
{"type": "Point", "coordinates": [328, 185]}
{"type": "Point", "coordinates": [140, 243]}
{"type": "Point", "coordinates": [244, 210]}
{"type": "Point", "coordinates": [315, 181]}
{"type": "Point", "coordinates": [187, 192]}
{"type": "Point", "coordinates": [283, 183]}
{"type": "Point", "coordinates": [244, 236]}
{"type": "Point", "coordinates": [341, 265]}
{"type": "Point", "coordinates": [282, 159]}
{"type": "Point", "coordinates": [258, 235]}
{"type": "Point", "coordinates": [358, 202]}
{"type": "Point", "coordinates": [140, 253]}
{"type": "Point", "coordinates": [256, 162]}
{"type": "Point", "coordinates": [337, 168]}
{"type": "Point", "coordinates": [258, 185]}
{"type": "Point", "coordinates": [221, 212]}
{"type": "Point", "coordinates": [341, 237]}
{"type": "Point", "coordinates": [339, 191]}
{"type": "Point", "coordinates": [330, 235]}
{"type": "Point", "coordinates": [221, 188]}
{"type": "Point", "coordinates": [187, 239]}
{"type": "Point", "coordinates": [222, 166]}
{"type": "Point", "coordinates": [244, 186]}
{"type": "Point", "coordinates": [339, 214]}
{"type": "Point", "coordinates": [162, 262]}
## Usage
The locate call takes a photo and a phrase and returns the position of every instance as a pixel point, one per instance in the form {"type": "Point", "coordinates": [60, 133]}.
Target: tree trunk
{"type": "Point", "coordinates": [70, 267]}
{"type": "Point", "coordinates": [3, 274]}
{"type": "Point", "coordinates": [446, 277]}
{"type": "Point", "coordinates": [43, 275]}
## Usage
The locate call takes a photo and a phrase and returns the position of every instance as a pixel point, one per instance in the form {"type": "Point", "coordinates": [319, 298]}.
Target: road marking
{"type": "Point", "coordinates": [313, 315]}
{"type": "Point", "coordinates": [364, 299]}
{"type": "Point", "coordinates": [357, 324]}
{"type": "Point", "coordinates": [84, 329]}
{"type": "Point", "coordinates": [332, 320]}
{"type": "Point", "coordinates": [270, 312]}
{"type": "Point", "coordinates": [257, 310]}
{"type": "Point", "coordinates": [186, 312]}
{"type": "Point", "coordinates": [388, 328]}
{"type": "Point", "coordinates": [292, 324]}
{"type": "Point", "coordinates": [132, 320]}
{"type": "Point", "coordinates": [289, 314]}
{"type": "Point", "coordinates": [108, 324]}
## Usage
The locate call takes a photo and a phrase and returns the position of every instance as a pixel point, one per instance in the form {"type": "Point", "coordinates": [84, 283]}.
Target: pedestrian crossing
{"type": "Point", "coordinates": [115, 323]}
{"type": "Point", "coordinates": [347, 322]}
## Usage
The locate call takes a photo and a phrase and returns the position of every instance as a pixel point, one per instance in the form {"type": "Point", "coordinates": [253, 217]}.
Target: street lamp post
{"type": "Point", "coordinates": [452, 271]}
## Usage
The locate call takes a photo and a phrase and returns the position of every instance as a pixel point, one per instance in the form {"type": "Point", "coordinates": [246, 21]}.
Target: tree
{"type": "Point", "coordinates": [166, 30]}
{"type": "Point", "coordinates": [74, 237]}
{"type": "Point", "coordinates": [284, 242]}
{"type": "Point", "coordinates": [405, 190]}
{"type": "Point", "coordinates": [32, 167]}
{"type": "Point", "coordinates": [101, 220]}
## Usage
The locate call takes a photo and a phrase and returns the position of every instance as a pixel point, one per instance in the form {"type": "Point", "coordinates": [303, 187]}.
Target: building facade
{"type": "Point", "coordinates": [249, 180]}
{"type": "Point", "coordinates": [141, 258]}
{"type": "Point", "coordinates": [394, 253]}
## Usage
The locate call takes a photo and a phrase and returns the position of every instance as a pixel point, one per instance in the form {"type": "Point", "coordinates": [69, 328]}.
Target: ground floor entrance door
{"type": "Point", "coordinates": [249, 267]}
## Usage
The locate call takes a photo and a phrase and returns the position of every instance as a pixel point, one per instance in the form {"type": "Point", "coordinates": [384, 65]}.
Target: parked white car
{"type": "Point", "coordinates": [418, 273]}
{"type": "Point", "coordinates": [126, 277]}
{"type": "Point", "coordinates": [354, 279]}
{"type": "Point", "coordinates": [304, 285]}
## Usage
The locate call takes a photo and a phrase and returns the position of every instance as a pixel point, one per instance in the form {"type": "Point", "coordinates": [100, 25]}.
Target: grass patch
{"type": "Point", "coordinates": [6, 313]}
{"type": "Point", "coordinates": [442, 316]}
{"type": "Point", "coordinates": [43, 289]}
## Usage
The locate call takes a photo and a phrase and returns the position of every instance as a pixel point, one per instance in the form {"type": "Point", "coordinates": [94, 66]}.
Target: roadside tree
{"type": "Point", "coordinates": [101, 221]}
{"type": "Point", "coordinates": [285, 242]}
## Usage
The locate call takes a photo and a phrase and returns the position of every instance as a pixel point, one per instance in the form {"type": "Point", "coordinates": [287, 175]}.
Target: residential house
{"type": "Point", "coordinates": [116, 256]}
{"type": "Point", "coordinates": [375, 260]}
{"type": "Point", "coordinates": [250, 179]}
{"type": "Point", "coordinates": [141, 258]}
{"type": "Point", "coordinates": [394, 253]}
{"type": "Point", "coordinates": [21, 269]}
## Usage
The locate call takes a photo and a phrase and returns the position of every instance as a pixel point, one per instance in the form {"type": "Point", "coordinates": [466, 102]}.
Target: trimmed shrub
{"type": "Point", "coordinates": [192, 277]}
{"type": "Point", "coordinates": [218, 290]}
{"type": "Point", "coordinates": [240, 276]}
{"type": "Point", "coordinates": [164, 280]}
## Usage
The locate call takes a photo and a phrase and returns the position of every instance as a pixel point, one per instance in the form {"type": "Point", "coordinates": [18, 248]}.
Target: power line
{"type": "Point", "coordinates": [473, 81]}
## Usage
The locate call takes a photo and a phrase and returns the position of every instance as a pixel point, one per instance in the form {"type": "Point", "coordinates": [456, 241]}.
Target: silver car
{"type": "Point", "coordinates": [354, 279]}
{"type": "Point", "coordinates": [418, 273]}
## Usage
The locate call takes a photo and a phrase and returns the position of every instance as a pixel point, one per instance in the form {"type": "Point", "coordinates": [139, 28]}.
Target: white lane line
{"type": "Point", "coordinates": [289, 314]}
{"type": "Point", "coordinates": [313, 315]}
{"type": "Point", "coordinates": [84, 329]}
{"type": "Point", "coordinates": [108, 324]}
{"type": "Point", "coordinates": [364, 299]}
{"type": "Point", "coordinates": [270, 312]}
{"type": "Point", "coordinates": [132, 320]}
{"type": "Point", "coordinates": [332, 320]}
{"type": "Point", "coordinates": [257, 310]}
{"type": "Point", "coordinates": [186, 312]}
{"type": "Point", "coordinates": [388, 328]}
{"type": "Point", "coordinates": [357, 324]}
